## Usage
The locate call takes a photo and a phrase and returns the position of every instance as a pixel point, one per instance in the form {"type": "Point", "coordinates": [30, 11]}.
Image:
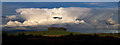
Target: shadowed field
{"type": "Point", "coordinates": [59, 38]}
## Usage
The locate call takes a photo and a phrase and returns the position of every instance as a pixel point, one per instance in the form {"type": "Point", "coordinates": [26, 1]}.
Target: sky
{"type": "Point", "coordinates": [0, 15]}
{"type": "Point", "coordinates": [11, 7]}
{"type": "Point", "coordinates": [60, 0]}
{"type": "Point", "coordinates": [84, 15]}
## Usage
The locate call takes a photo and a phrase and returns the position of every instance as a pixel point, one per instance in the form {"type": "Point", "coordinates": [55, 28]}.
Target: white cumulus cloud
{"type": "Point", "coordinates": [83, 17]}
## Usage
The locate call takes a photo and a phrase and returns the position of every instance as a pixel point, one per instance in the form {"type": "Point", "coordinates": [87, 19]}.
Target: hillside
{"type": "Point", "coordinates": [64, 33]}
{"type": "Point", "coordinates": [59, 38]}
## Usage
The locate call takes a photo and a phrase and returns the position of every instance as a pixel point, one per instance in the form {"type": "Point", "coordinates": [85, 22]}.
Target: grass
{"type": "Point", "coordinates": [0, 33]}
{"type": "Point", "coordinates": [63, 33]}
{"type": "Point", "coordinates": [47, 33]}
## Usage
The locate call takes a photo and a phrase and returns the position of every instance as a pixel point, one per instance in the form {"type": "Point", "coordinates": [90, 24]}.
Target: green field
{"type": "Point", "coordinates": [64, 33]}
{"type": "Point", "coordinates": [48, 33]}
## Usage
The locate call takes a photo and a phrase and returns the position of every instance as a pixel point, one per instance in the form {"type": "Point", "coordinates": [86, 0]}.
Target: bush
{"type": "Point", "coordinates": [56, 29]}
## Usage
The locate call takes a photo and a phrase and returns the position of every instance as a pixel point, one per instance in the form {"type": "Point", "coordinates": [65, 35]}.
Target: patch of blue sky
{"type": "Point", "coordinates": [60, 0]}
{"type": "Point", "coordinates": [10, 7]}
